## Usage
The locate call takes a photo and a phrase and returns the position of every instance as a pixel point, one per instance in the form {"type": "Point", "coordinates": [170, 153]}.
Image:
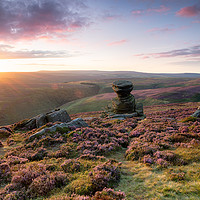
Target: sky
{"type": "Point", "coordinates": [157, 36]}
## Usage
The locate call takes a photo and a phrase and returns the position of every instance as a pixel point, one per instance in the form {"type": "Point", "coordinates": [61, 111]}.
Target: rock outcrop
{"type": "Point", "coordinates": [197, 113]}
{"type": "Point", "coordinates": [52, 116]}
{"type": "Point", "coordinates": [76, 123]}
{"type": "Point", "coordinates": [125, 103]}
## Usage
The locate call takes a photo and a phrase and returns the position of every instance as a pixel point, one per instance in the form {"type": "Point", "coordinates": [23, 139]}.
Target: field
{"type": "Point", "coordinates": [153, 158]}
{"type": "Point", "coordinates": [24, 95]}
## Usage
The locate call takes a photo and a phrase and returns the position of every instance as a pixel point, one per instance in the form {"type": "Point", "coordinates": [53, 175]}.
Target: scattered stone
{"type": "Point", "coordinates": [76, 123]}
{"type": "Point", "coordinates": [197, 113]}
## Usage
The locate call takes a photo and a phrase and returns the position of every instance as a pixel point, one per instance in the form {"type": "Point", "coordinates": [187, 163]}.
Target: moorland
{"type": "Point", "coordinates": [156, 157]}
{"type": "Point", "coordinates": [24, 95]}
{"type": "Point", "coordinates": [112, 159]}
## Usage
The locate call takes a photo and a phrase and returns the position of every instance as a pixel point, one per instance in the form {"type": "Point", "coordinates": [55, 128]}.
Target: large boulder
{"type": "Point", "coordinates": [52, 116]}
{"type": "Point", "coordinates": [58, 116]}
{"type": "Point", "coordinates": [76, 123]}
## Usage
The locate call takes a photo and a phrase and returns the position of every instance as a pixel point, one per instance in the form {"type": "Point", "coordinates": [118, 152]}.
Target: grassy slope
{"type": "Point", "coordinates": [139, 180]}
{"type": "Point", "coordinates": [147, 97]}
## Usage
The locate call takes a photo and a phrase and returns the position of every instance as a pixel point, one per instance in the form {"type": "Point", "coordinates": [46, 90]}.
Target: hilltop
{"type": "Point", "coordinates": [153, 158]}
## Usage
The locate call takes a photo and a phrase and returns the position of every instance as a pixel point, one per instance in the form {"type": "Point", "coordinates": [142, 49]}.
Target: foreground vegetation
{"type": "Point", "coordinates": [154, 158]}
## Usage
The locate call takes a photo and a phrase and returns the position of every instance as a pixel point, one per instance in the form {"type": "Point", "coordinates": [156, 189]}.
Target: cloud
{"type": "Point", "coordinates": [191, 52]}
{"type": "Point", "coordinates": [189, 11]}
{"type": "Point", "coordinates": [117, 42]}
{"type": "Point", "coordinates": [8, 52]}
{"type": "Point", "coordinates": [161, 9]}
{"type": "Point", "coordinates": [110, 17]}
{"type": "Point", "coordinates": [31, 19]}
{"type": "Point", "coordinates": [157, 29]}
{"type": "Point", "coordinates": [165, 29]}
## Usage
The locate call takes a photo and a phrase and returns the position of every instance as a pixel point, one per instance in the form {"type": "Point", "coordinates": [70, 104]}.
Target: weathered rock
{"type": "Point", "coordinates": [124, 116]}
{"type": "Point", "coordinates": [53, 116]}
{"type": "Point", "coordinates": [76, 123]}
{"type": "Point", "coordinates": [125, 101]}
{"type": "Point", "coordinates": [41, 120]}
{"type": "Point", "coordinates": [139, 108]}
{"type": "Point", "coordinates": [31, 124]}
{"type": "Point", "coordinates": [58, 116]}
{"type": "Point", "coordinates": [197, 113]}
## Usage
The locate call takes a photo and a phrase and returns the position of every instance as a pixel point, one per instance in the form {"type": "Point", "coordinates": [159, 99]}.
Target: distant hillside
{"type": "Point", "coordinates": [147, 97]}
{"type": "Point", "coordinates": [24, 95]}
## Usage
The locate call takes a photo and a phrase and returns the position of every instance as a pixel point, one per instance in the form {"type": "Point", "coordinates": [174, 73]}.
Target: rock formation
{"type": "Point", "coordinates": [52, 116]}
{"type": "Point", "coordinates": [124, 103]}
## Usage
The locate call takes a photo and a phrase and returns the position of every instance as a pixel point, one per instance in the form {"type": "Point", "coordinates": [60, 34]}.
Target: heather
{"type": "Point", "coordinates": [152, 158]}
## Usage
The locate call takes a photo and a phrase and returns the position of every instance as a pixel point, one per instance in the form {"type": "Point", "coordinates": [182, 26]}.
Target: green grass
{"type": "Point", "coordinates": [85, 105]}
{"type": "Point", "coordinates": [140, 181]}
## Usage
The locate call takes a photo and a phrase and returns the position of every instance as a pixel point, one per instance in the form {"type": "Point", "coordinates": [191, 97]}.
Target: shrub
{"type": "Point", "coordinates": [71, 166]}
{"type": "Point", "coordinates": [41, 186]}
{"type": "Point", "coordinates": [5, 172]}
{"type": "Point", "coordinates": [109, 194]}
{"type": "Point", "coordinates": [104, 175]}
{"type": "Point", "coordinates": [80, 186]}
{"type": "Point", "coordinates": [24, 177]}
{"type": "Point", "coordinates": [4, 133]}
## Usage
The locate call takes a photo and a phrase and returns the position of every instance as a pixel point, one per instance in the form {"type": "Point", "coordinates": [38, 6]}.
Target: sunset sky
{"type": "Point", "coordinates": [119, 35]}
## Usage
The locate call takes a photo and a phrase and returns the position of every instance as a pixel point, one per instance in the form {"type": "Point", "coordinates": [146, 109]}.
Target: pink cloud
{"type": "Point", "coordinates": [161, 9]}
{"type": "Point", "coordinates": [23, 19]}
{"type": "Point", "coordinates": [117, 42]}
{"type": "Point", "coordinates": [189, 11]}
{"type": "Point", "coordinates": [191, 52]}
{"type": "Point", "coordinates": [8, 52]}
{"type": "Point", "coordinates": [157, 29]}
{"type": "Point", "coordinates": [196, 22]}
{"type": "Point", "coordinates": [137, 12]}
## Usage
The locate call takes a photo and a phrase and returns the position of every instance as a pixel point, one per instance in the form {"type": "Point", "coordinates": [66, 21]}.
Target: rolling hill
{"type": "Point", "coordinates": [24, 95]}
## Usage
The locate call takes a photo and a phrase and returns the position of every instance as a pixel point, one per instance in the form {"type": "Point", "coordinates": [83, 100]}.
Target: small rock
{"type": "Point", "coordinates": [139, 109]}
{"type": "Point", "coordinates": [197, 113]}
